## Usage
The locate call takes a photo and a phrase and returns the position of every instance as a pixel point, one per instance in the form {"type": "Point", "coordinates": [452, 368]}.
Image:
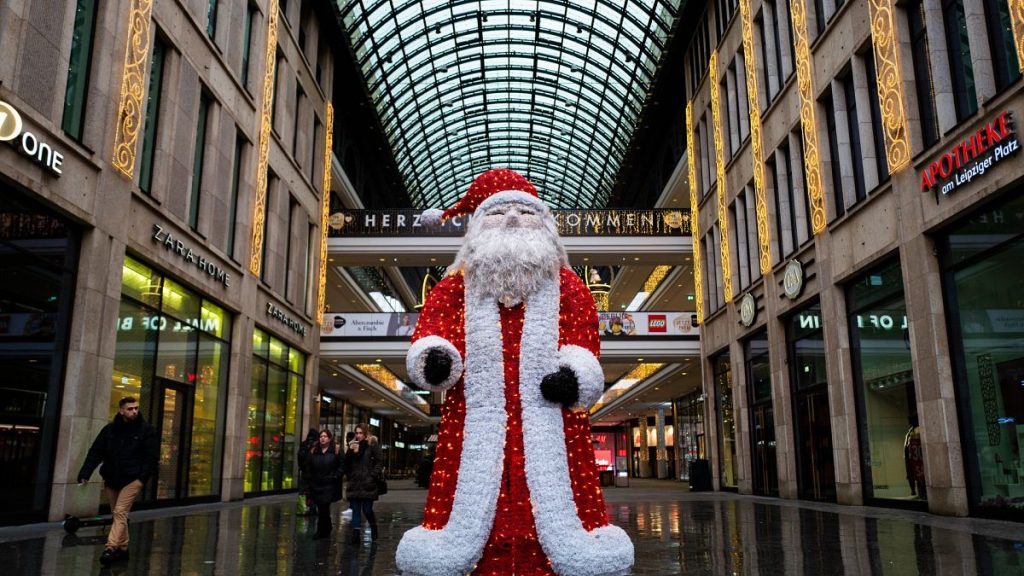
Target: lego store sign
{"type": "Point", "coordinates": [971, 158]}
{"type": "Point", "coordinates": [26, 142]}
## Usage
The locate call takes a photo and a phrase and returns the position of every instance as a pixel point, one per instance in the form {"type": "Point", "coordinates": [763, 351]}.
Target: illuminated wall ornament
{"type": "Point", "coordinates": [760, 195]}
{"type": "Point", "coordinates": [804, 76]}
{"type": "Point", "coordinates": [890, 84]}
{"type": "Point", "coordinates": [133, 88]}
{"type": "Point", "coordinates": [260, 201]}
{"type": "Point", "coordinates": [723, 221]}
{"type": "Point", "coordinates": [698, 284]}
{"type": "Point", "coordinates": [325, 210]}
{"type": "Point", "coordinates": [1017, 17]}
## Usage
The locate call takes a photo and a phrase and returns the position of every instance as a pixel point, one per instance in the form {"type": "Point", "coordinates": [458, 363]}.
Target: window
{"type": "Point", "coordinates": [776, 46]}
{"type": "Point", "coordinates": [78, 69]}
{"type": "Point", "coordinates": [824, 10]}
{"type": "Point", "coordinates": [211, 19]}
{"type": "Point", "coordinates": [278, 71]}
{"type": "Point", "coordinates": [293, 210]}
{"type": "Point", "coordinates": [271, 185]}
{"type": "Point", "coordinates": [828, 104]}
{"type": "Point", "coordinates": [744, 223]}
{"type": "Point", "coordinates": [197, 159]}
{"type": "Point", "coordinates": [923, 85]}
{"type": "Point", "coordinates": [236, 176]}
{"type": "Point", "coordinates": [312, 242]}
{"type": "Point", "coordinates": [726, 10]}
{"type": "Point", "coordinates": [961, 69]}
{"type": "Point", "coordinates": [250, 17]}
{"type": "Point", "coordinates": [156, 73]}
{"type": "Point", "coordinates": [1000, 37]}
{"type": "Point", "coordinates": [173, 353]}
{"type": "Point", "coordinates": [881, 160]}
{"type": "Point", "coordinates": [300, 103]}
{"type": "Point", "coordinates": [275, 410]}
{"type": "Point", "coordinates": [784, 170]}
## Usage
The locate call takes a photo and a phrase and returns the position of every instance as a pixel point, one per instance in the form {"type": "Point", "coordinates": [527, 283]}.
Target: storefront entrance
{"type": "Point", "coordinates": [762, 417]}
{"type": "Point", "coordinates": [38, 258]}
{"type": "Point", "coordinates": [984, 285]}
{"type": "Point", "coordinates": [173, 405]}
{"type": "Point", "coordinates": [816, 477]}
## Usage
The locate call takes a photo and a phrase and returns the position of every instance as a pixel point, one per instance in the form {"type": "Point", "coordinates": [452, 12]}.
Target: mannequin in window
{"type": "Point", "coordinates": [913, 457]}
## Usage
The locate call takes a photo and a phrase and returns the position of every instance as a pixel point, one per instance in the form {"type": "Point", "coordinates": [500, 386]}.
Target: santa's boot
{"type": "Point", "coordinates": [373, 530]}
{"type": "Point", "coordinates": [354, 539]}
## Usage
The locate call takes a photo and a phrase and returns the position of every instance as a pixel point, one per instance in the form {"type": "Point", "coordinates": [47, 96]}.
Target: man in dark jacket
{"type": "Point", "coordinates": [129, 450]}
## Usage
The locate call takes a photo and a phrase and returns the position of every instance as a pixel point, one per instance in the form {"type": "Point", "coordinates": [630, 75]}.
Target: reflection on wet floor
{"type": "Point", "coordinates": [689, 534]}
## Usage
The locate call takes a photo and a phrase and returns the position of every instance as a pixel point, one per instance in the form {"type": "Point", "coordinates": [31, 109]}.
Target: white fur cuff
{"type": "Point", "coordinates": [588, 373]}
{"type": "Point", "coordinates": [416, 359]}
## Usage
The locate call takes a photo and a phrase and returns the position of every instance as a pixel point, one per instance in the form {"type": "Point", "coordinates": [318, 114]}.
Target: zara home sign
{"type": "Point", "coordinates": [11, 130]}
{"type": "Point", "coordinates": [971, 158]}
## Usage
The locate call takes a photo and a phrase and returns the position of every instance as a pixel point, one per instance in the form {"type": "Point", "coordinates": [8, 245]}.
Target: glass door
{"type": "Point", "coordinates": [814, 435]}
{"type": "Point", "coordinates": [762, 417]}
{"type": "Point", "coordinates": [173, 423]}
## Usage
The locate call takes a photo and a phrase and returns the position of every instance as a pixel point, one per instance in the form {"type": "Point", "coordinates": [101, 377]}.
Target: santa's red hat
{"type": "Point", "coordinates": [490, 188]}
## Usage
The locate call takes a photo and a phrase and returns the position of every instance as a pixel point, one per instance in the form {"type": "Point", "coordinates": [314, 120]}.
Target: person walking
{"type": "Point", "coordinates": [305, 449]}
{"type": "Point", "coordinates": [324, 467]}
{"type": "Point", "coordinates": [129, 450]}
{"type": "Point", "coordinates": [363, 466]}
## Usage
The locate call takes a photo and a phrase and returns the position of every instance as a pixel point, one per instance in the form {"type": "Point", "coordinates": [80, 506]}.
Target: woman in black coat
{"type": "Point", "coordinates": [324, 479]}
{"type": "Point", "coordinates": [363, 466]}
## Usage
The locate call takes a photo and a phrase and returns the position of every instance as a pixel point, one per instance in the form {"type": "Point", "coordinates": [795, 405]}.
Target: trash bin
{"type": "Point", "coordinates": [607, 477]}
{"type": "Point", "coordinates": [700, 475]}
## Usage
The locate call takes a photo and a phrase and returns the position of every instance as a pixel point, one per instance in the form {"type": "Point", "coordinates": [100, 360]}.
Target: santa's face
{"type": "Point", "coordinates": [509, 249]}
{"type": "Point", "coordinates": [511, 215]}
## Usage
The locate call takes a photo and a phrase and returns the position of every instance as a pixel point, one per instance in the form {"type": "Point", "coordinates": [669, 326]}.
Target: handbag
{"type": "Point", "coordinates": [382, 486]}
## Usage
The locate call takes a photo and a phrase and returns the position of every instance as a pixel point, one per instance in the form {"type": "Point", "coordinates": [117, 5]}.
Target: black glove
{"type": "Point", "coordinates": [437, 367]}
{"type": "Point", "coordinates": [561, 387]}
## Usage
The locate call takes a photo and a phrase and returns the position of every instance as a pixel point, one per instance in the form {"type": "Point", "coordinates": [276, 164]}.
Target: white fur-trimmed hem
{"type": "Point", "coordinates": [416, 359]}
{"type": "Point", "coordinates": [588, 373]}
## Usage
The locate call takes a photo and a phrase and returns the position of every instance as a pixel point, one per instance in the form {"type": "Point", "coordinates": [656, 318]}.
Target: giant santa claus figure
{"type": "Point", "coordinates": [511, 334]}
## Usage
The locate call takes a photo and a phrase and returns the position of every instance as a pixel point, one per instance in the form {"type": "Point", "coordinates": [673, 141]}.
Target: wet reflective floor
{"type": "Point", "coordinates": [674, 532]}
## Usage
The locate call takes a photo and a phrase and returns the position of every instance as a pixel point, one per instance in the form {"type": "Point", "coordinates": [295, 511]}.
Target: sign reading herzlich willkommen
{"type": "Point", "coordinates": [657, 222]}
{"type": "Point", "coordinates": [971, 158]}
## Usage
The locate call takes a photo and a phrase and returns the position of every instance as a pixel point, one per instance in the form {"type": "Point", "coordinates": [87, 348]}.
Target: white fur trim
{"type": "Point", "coordinates": [416, 359]}
{"type": "Point", "coordinates": [456, 548]}
{"type": "Point", "coordinates": [572, 550]}
{"type": "Point", "coordinates": [431, 217]}
{"type": "Point", "coordinates": [588, 373]}
{"type": "Point", "coordinates": [512, 196]}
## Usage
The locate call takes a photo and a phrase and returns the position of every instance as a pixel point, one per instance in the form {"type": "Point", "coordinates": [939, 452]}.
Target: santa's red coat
{"type": "Point", "coordinates": [512, 545]}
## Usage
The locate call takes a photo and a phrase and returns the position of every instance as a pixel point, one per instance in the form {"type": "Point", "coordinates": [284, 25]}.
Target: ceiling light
{"type": "Point", "coordinates": [334, 373]}
{"type": "Point", "coordinates": [377, 360]}
{"type": "Point", "coordinates": [639, 359]}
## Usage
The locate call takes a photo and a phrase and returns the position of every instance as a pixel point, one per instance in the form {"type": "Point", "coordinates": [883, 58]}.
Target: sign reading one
{"type": "Point", "coordinates": [27, 142]}
{"type": "Point", "coordinates": [991, 144]}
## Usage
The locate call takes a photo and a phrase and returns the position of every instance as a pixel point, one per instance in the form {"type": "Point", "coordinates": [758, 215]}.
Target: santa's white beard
{"type": "Point", "coordinates": [509, 264]}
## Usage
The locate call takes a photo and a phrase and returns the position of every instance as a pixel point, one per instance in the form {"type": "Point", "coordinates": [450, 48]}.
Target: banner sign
{"type": "Point", "coordinates": [369, 324]}
{"type": "Point", "coordinates": [616, 324]}
{"type": "Point", "coordinates": [992, 143]}
{"type": "Point", "coordinates": [610, 324]}
{"type": "Point", "coordinates": [407, 222]}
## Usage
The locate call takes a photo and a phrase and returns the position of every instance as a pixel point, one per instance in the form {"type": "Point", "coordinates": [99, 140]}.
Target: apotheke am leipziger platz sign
{"type": "Point", "coordinates": [971, 158]}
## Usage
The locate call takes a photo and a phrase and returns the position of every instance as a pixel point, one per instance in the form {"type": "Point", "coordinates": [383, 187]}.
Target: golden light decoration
{"type": "Point", "coordinates": [325, 209]}
{"type": "Point", "coordinates": [804, 77]}
{"type": "Point", "coordinates": [657, 275]}
{"type": "Point", "coordinates": [133, 88]}
{"type": "Point", "coordinates": [723, 221]}
{"type": "Point", "coordinates": [1017, 18]}
{"type": "Point", "coordinates": [890, 84]}
{"type": "Point", "coordinates": [266, 117]}
{"type": "Point", "coordinates": [698, 284]}
{"type": "Point", "coordinates": [638, 374]}
{"type": "Point", "coordinates": [757, 155]}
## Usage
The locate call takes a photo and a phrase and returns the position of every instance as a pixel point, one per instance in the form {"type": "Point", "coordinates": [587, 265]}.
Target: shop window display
{"type": "Point", "coordinates": [891, 451]}
{"type": "Point", "coordinates": [172, 353]}
{"type": "Point", "coordinates": [689, 413]}
{"type": "Point", "coordinates": [275, 410]}
{"type": "Point", "coordinates": [985, 304]}
{"type": "Point", "coordinates": [726, 421]}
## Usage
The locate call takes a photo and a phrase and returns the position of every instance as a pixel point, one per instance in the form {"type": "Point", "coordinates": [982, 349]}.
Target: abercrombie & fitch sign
{"type": "Point", "coordinates": [992, 143]}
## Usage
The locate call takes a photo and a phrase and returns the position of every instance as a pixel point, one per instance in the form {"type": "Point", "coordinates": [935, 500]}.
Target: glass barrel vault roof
{"type": "Point", "coordinates": [553, 90]}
